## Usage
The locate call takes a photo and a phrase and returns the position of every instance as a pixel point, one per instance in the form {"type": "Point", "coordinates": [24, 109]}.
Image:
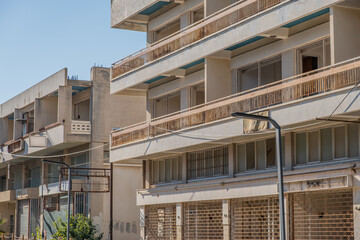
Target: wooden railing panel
{"type": "Point", "coordinates": [198, 31]}
{"type": "Point", "coordinates": [272, 94]}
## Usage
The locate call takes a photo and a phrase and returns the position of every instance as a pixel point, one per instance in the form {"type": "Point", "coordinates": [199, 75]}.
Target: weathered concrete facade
{"type": "Point", "coordinates": [207, 175]}
{"type": "Point", "coordinates": [66, 120]}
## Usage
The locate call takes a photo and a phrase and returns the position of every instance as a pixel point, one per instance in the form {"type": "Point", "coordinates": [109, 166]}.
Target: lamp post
{"type": "Point", "coordinates": [279, 164]}
{"type": "Point", "coordinates": [69, 193]}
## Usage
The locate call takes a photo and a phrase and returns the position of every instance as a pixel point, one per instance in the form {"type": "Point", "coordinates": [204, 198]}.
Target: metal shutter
{"type": "Point", "coordinates": [34, 215]}
{"type": "Point", "coordinates": [23, 218]}
{"type": "Point", "coordinates": [322, 215]}
{"type": "Point", "coordinates": [161, 222]}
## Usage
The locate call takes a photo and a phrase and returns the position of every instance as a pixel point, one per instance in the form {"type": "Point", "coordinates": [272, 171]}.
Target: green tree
{"type": "Point", "coordinates": [81, 227]}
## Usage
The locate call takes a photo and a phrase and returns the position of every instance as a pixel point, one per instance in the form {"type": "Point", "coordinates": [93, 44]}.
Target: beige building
{"type": "Point", "coordinates": [207, 175]}
{"type": "Point", "coordinates": [71, 119]}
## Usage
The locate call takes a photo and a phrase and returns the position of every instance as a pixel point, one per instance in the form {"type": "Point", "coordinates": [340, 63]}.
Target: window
{"type": "Point", "coordinates": [167, 104]}
{"type": "Point", "coordinates": [208, 163]}
{"type": "Point", "coordinates": [327, 144]}
{"type": "Point", "coordinates": [167, 30]}
{"type": "Point", "coordinates": [197, 15]}
{"type": "Point", "coordinates": [314, 56]}
{"type": "Point", "coordinates": [166, 170]}
{"type": "Point", "coordinates": [28, 122]}
{"type": "Point", "coordinates": [197, 94]}
{"type": "Point", "coordinates": [259, 74]}
{"type": "Point", "coordinates": [258, 155]}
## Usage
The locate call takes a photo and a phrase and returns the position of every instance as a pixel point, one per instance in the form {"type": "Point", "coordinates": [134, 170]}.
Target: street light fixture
{"type": "Point", "coordinates": [278, 161]}
{"type": "Point", "coordinates": [69, 193]}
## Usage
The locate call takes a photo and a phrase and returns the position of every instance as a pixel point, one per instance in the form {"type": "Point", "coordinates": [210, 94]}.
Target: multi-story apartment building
{"type": "Point", "coordinates": [65, 120]}
{"type": "Point", "coordinates": [207, 175]}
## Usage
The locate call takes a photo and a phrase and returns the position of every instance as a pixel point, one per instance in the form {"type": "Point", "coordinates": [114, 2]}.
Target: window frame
{"type": "Point", "coordinates": [157, 162]}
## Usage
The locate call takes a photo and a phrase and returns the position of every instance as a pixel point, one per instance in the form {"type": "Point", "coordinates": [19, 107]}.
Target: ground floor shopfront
{"type": "Point", "coordinates": [324, 214]}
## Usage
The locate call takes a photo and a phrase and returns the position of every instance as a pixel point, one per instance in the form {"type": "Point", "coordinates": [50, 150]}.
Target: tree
{"type": "Point", "coordinates": [81, 227]}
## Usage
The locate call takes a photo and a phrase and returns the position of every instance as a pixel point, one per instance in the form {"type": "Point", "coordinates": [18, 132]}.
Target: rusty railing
{"type": "Point", "coordinates": [214, 23]}
{"type": "Point", "coordinates": [295, 88]}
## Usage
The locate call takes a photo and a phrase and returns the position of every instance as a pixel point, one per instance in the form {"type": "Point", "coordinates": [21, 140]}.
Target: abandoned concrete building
{"type": "Point", "coordinates": [60, 119]}
{"type": "Point", "coordinates": [207, 175]}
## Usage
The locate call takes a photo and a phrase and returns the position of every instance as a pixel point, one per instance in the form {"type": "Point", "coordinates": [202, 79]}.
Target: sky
{"type": "Point", "coordinates": [41, 37]}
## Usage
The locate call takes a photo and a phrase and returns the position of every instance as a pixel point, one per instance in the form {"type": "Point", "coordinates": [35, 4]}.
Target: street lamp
{"type": "Point", "coordinates": [279, 164]}
{"type": "Point", "coordinates": [69, 193]}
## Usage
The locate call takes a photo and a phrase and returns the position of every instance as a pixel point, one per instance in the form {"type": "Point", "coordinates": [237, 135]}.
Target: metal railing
{"type": "Point", "coordinates": [214, 23]}
{"type": "Point", "coordinates": [295, 88]}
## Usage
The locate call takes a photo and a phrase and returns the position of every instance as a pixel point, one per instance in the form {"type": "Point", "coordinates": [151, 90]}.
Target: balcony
{"type": "Point", "coordinates": [213, 24]}
{"type": "Point", "coordinates": [323, 80]}
{"type": "Point", "coordinates": [81, 127]}
{"type": "Point", "coordinates": [27, 193]}
{"type": "Point", "coordinates": [7, 196]}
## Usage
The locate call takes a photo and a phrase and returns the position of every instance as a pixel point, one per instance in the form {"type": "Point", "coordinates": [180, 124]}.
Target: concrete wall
{"type": "Point", "coordinates": [42, 89]}
{"type": "Point", "coordinates": [126, 213]}
{"type": "Point", "coordinates": [48, 105]}
{"type": "Point", "coordinates": [217, 78]}
{"type": "Point", "coordinates": [344, 22]}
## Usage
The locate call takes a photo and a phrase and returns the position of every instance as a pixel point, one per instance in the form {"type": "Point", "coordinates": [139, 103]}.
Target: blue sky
{"type": "Point", "coordinates": [40, 37]}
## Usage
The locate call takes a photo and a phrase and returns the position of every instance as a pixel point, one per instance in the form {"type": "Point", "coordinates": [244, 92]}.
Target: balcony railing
{"type": "Point", "coordinates": [81, 127]}
{"type": "Point", "coordinates": [210, 25]}
{"type": "Point", "coordinates": [26, 193]}
{"type": "Point", "coordinates": [298, 87]}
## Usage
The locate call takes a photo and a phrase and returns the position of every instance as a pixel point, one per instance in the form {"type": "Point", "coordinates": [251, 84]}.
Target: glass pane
{"type": "Point", "coordinates": [175, 169]}
{"type": "Point", "coordinates": [155, 171]}
{"type": "Point", "coordinates": [340, 150]}
{"type": "Point", "coordinates": [250, 156]}
{"type": "Point", "coordinates": [314, 146]}
{"type": "Point", "coordinates": [209, 163]}
{"type": "Point", "coordinates": [197, 94]}
{"type": "Point", "coordinates": [191, 165]}
{"type": "Point", "coordinates": [353, 139]}
{"type": "Point", "coordinates": [241, 157]}
{"type": "Point", "coordinates": [248, 78]}
{"type": "Point", "coordinates": [301, 148]}
{"type": "Point", "coordinates": [160, 107]}
{"type": "Point", "coordinates": [200, 159]}
{"type": "Point", "coordinates": [270, 70]}
{"type": "Point", "coordinates": [218, 162]}
{"type": "Point", "coordinates": [270, 152]}
{"type": "Point", "coordinates": [173, 103]}
{"type": "Point", "coordinates": [326, 144]}
{"type": "Point", "coordinates": [261, 155]}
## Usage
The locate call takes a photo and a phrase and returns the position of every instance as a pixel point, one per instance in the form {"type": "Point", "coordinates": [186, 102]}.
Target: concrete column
{"type": "Point", "coordinates": [37, 115]}
{"type": "Point", "coordinates": [8, 177]}
{"type": "Point", "coordinates": [142, 223]}
{"type": "Point", "coordinates": [184, 168]}
{"type": "Point", "coordinates": [288, 64]}
{"type": "Point", "coordinates": [184, 98]}
{"type": "Point", "coordinates": [3, 130]}
{"type": "Point", "coordinates": [226, 207]}
{"type": "Point", "coordinates": [356, 206]}
{"type": "Point", "coordinates": [148, 174]}
{"type": "Point", "coordinates": [289, 151]}
{"type": "Point", "coordinates": [344, 37]}
{"type": "Point", "coordinates": [217, 78]}
{"type": "Point", "coordinates": [232, 160]}
{"type": "Point", "coordinates": [179, 221]}
{"type": "Point", "coordinates": [17, 124]}
{"type": "Point", "coordinates": [65, 107]}
{"type": "Point", "coordinates": [212, 6]}
{"type": "Point", "coordinates": [185, 20]}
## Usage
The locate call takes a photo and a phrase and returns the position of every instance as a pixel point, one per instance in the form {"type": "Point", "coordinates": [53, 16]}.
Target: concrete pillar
{"type": "Point", "coordinates": [185, 20]}
{"type": "Point", "coordinates": [149, 108]}
{"type": "Point", "coordinates": [65, 107]}
{"type": "Point", "coordinates": [232, 160]}
{"type": "Point", "coordinates": [142, 223]}
{"type": "Point", "coordinates": [356, 206]}
{"type": "Point", "coordinates": [344, 37]}
{"type": "Point", "coordinates": [288, 64]}
{"type": "Point", "coordinates": [37, 115]}
{"type": "Point", "coordinates": [217, 78]}
{"type": "Point", "coordinates": [226, 207]}
{"type": "Point", "coordinates": [184, 98]}
{"type": "Point", "coordinates": [17, 124]}
{"type": "Point", "coordinates": [212, 6]}
{"type": "Point", "coordinates": [147, 179]}
{"type": "Point", "coordinates": [3, 130]}
{"type": "Point", "coordinates": [289, 151]}
{"type": "Point", "coordinates": [179, 221]}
